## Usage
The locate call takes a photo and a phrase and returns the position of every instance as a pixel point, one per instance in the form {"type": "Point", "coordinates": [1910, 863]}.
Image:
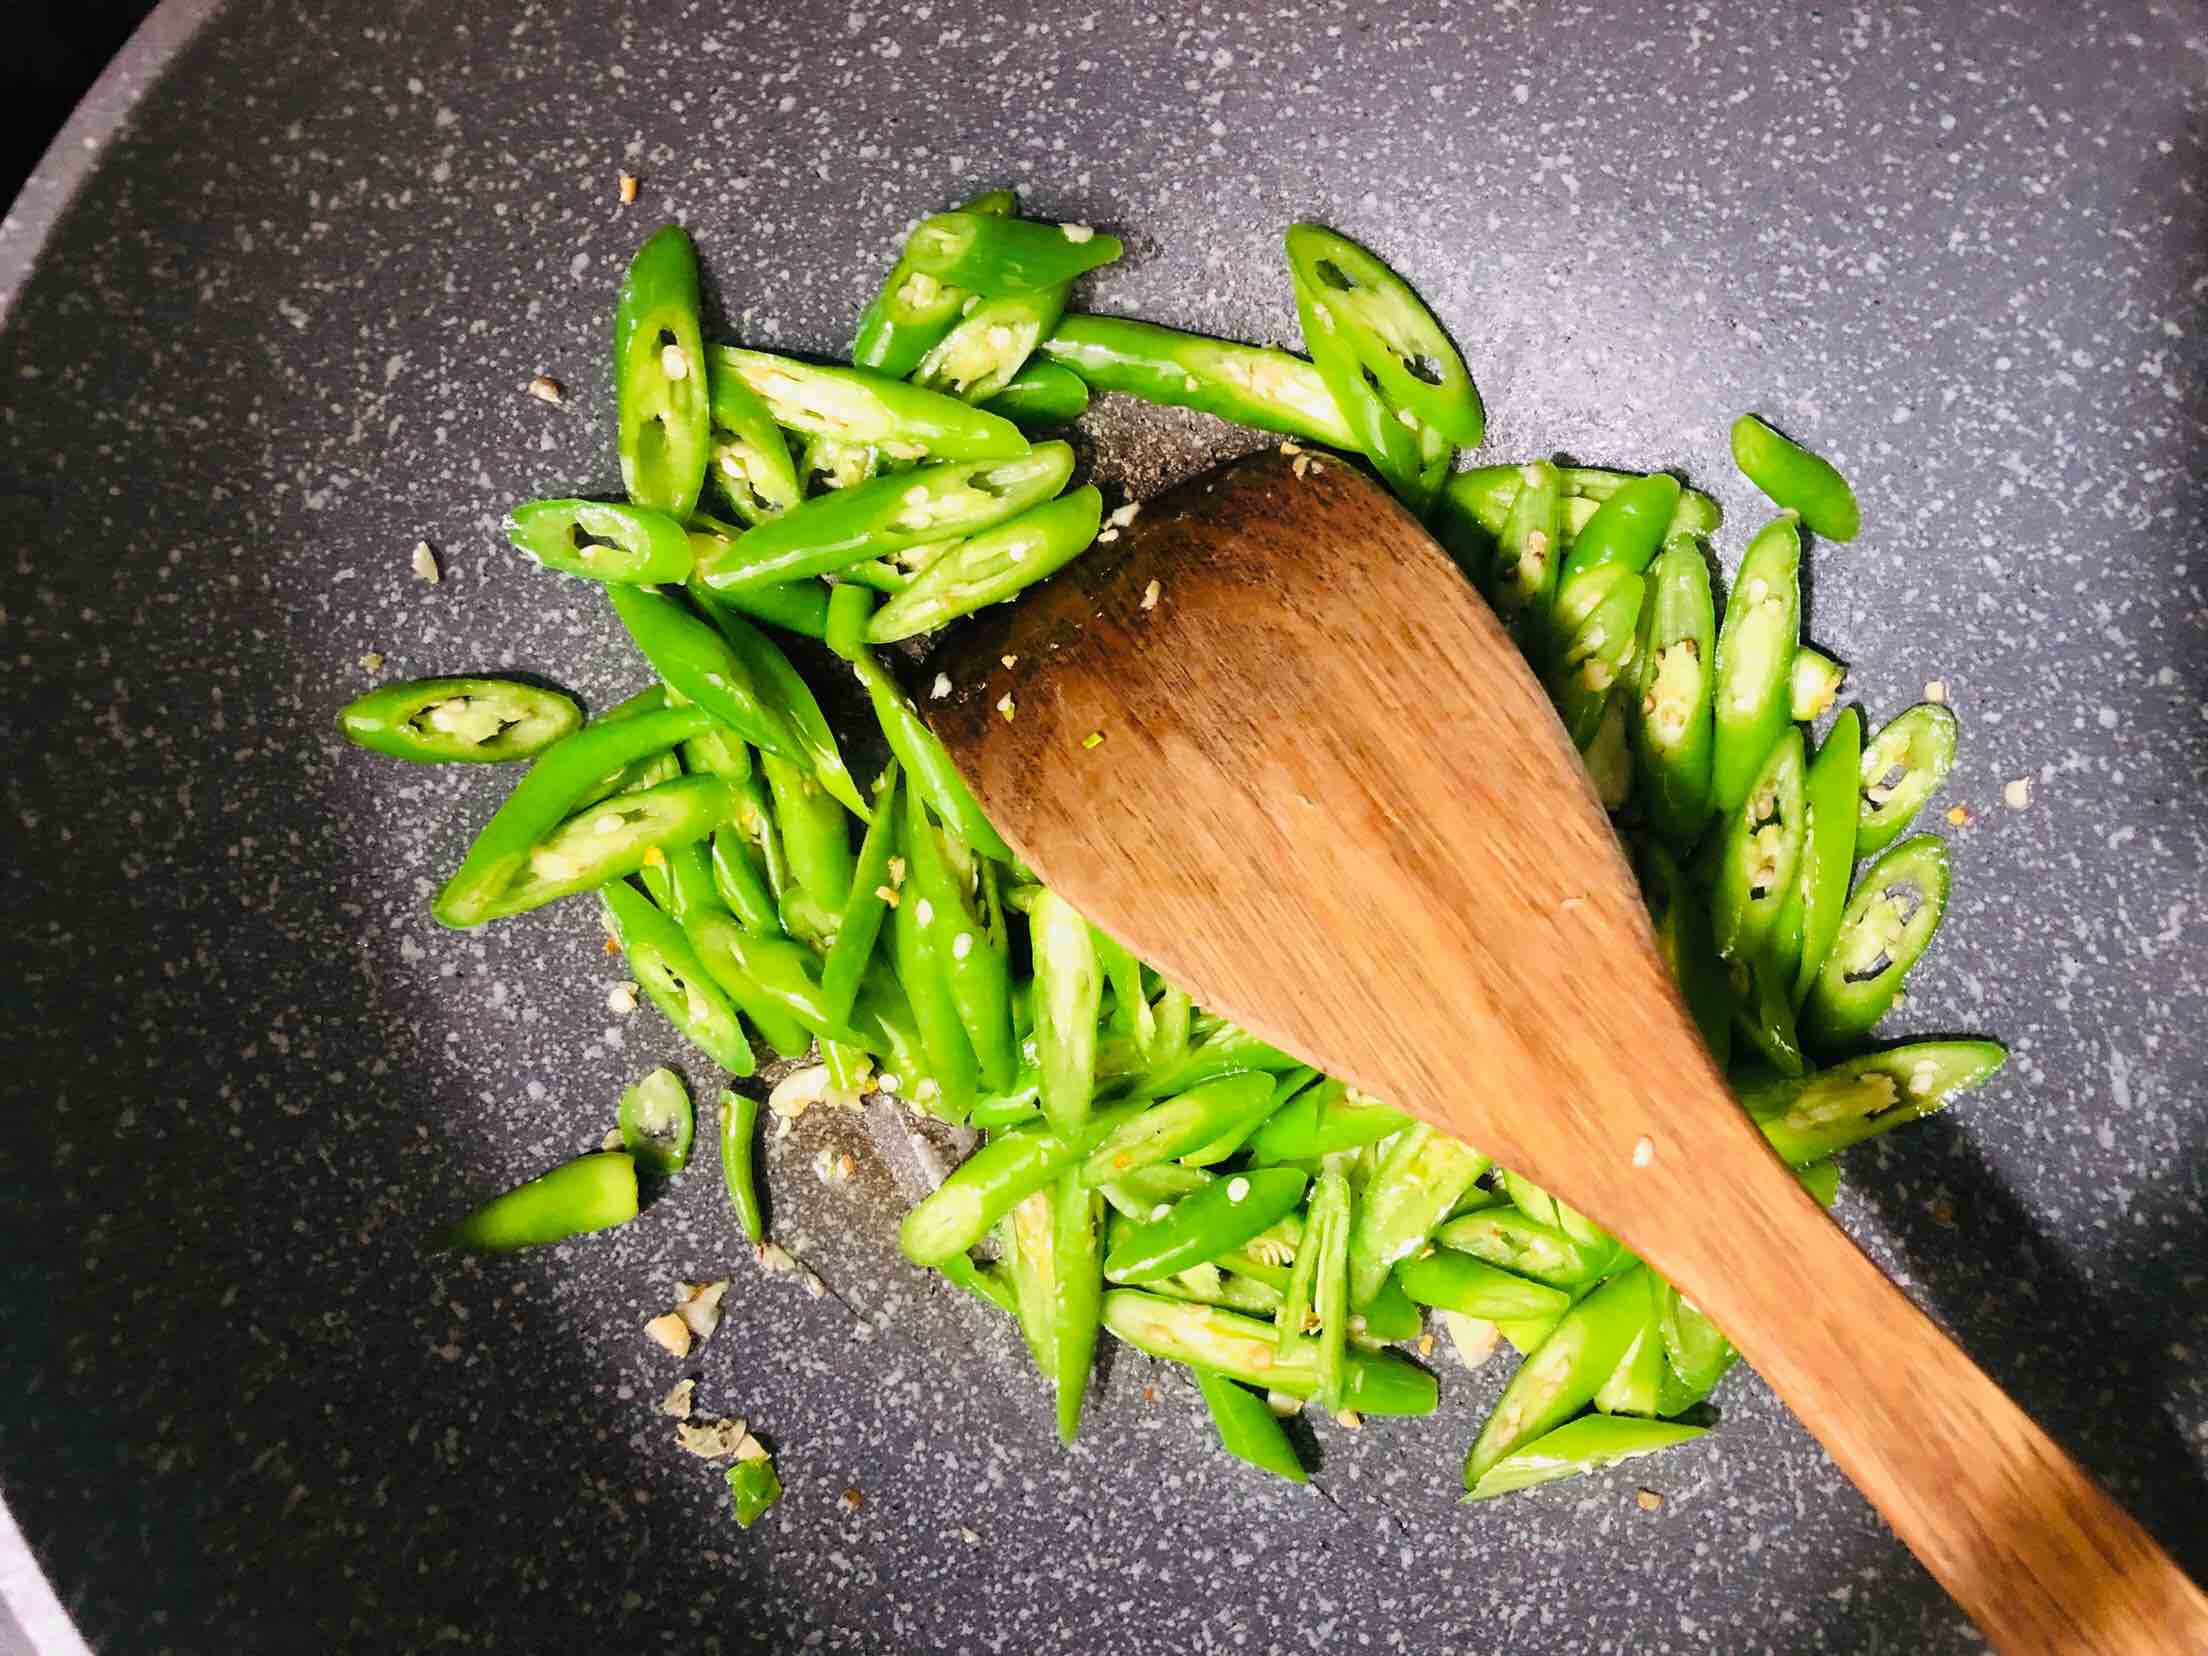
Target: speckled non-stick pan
{"type": "Point", "coordinates": [270, 308]}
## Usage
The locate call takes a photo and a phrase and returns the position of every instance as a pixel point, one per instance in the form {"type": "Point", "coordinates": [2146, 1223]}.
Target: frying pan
{"type": "Point", "coordinates": [270, 305]}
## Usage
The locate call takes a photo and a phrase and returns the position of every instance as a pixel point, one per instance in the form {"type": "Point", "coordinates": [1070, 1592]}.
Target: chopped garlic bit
{"type": "Point", "coordinates": [1349, 1419]}
{"type": "Point", "coordinates": [940, 688]}
{"type": "Point", "coordinates": [1475, 1338]}
{"type": "Point", "coordinates": [799, 1091]}
{"type": "Point", "coordinates": [372, 660]}
{"type": "Point", "coordinates": [621, 999]}
{"type": "Point", "coordinates": [612, 1140]}
{"type": "Point", "coordinates": [677, 1402]}
{"type": "Point", "coordinates": [1150, 595]}
{"type": "Point", "coordinates": [1005, 706]}
{"type": "Point", "coordinates": [2018, 794]}
{"type": "Point", "coordinates": [1077, 233]}
{"type": "Point", "coordinates": [1125, 515]}
{"type": "Point", "coordinates": [1935, 691]}
{"type": "Point", "coordinates": [425, 563]}
{"type": "Point", "coordinates": [1104, 535]}
{"type": "Point", "coordinates": [546, 389]}
{"type": "Point", "coordinates": [671, 1332]}
{"type": "Point", "coordinates": [851, 1500]}
{"type": "Point", "coordinates": [716, 1439]}
{"type": "Point", "coordinates": [1647, 1500]}
{"type": "Point", "coordinates": [698, 1304]}
{"type": "Point", "coordinates": [887, 894]}
{"type": "Point", "coordinates": [1290, 449]}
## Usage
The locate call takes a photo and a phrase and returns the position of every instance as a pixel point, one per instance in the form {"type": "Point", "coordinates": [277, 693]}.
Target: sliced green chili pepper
{"type": "Point", "coordinates": [1625, 532]}
{"type": "Point", "coordinates": [1390, 332]}
{"type": "Point", "coordinates": [1643, 1382]}
{"type": "Point", "coordinates": [564, 774]}
{"type": "Point", "coordinates": [1903, 766]}
{"type": "Point", "coordinates": [884, 1015]}
{"type": "Point", "coordinates": [740, 879]}
{"type": "Point", "coordinates": [1828, 847]}
{"type": "Point", "coordinates": [779, 968]}
{"type": "Point", "coordinates": [829, 533]}
{"type": "Point", "coordinates": [612, 840]}
{"type": "Point", "coordinates": [1761, 853]}
{"type": "Point", "coordinates": [601, 542]}
{"type": "Point", "coordinates": [1408, 1196]}
{"type": "Point", "coordinates": [1763, 1011]}
{"type": "Point", "coordinates": [1597, 648]}
{"type": "Point", "coordinates": [1077, 1221]}
{"type": "Point", "coordinates": [749, 460]}
{"type": "Point", "coordinates": [1243, 1348]}
{"type": "Point", "coordinates": [1563, 1374]}
{"type": "Point", "coordinates": [1684, 940]}
{"type": "Point", "coordinates": [1609, 764]}
{"type": "Point", "coordinates": [1821, 1114]}
{"type": "Point", "coordinates": [782, 690]}
{"type": "Point", "coordinates": [1672, 729]}
{"type": "Point", "coordinates": [1482, 497]}
{"type": "Point", "coordinates": [924, 970]}
{"type": "Point", "coordinates": [1596, 1244]}
{"type": "Point", "coordinates": [799, 606]}
{"type": "Point", "coordinates": [1390, 1315]}
{"type": "Point", "coordinates": [739, 1123]}
{"type": "Point", "coordinates": [753, 1487]}
{"type": "Point", "coordinates": [859, 927]}
{"type": "Point", "coordinates": [459, 720]}
{"type": "Point", "coordinates": [1453, 1281]}
{"type": "Point", "coordinates": [1813, 684]}
{"type": "Point", "coordinates": [1522, 582]}
{"type": "Point", "coordinates": [987, 1284]}
{"type": "Point", "coordinates": [1504, 1237]}
{"type": "Point", "coordinates": [591, 1193]}
{"type": "Point", "coordinates": [1698, 1353]}
{"type": "Point", "coordinates": [855, 407]}
{"type": "Point", "coordinates": [1231, 1141]}
{"type": "Point", "coordinates": [717, 753]}
{"type": "Point", "coordinates": [815, 832]}
{"type": "Point", "coordinates": [953, 897]}
{"type": "Point", "coordinates": [850, 607]}
{"type": "Point", "coordinates": [991, 343]}
{"type": "Point", "coordinates": [1327, 1234]}
{"type": "Point", "coordinates": [992, 253]}
{"type": "Point", "coordinates": [1226, 1049]}
{"type": "Point", "coordinates": [1028, 1243]}
{"type": "Point", "coordinates": [1147, 1189]}
{"type": "Point", "coordinates": [659, 376]}
{"type": "Point", "coordinates": [1069, 989]}
{"type": "Point", "coordinates": [928, 768]}
{"type": "Point", "coordinates": [1324, 1120]}
{"type": "Point", "coordinates": [657, 1123]}
{"type": "Point", "coordinates": [1755, 653]}
{"type": "Point", "coordinates": [1247, 1427]}
{"type": "Point", "coordinates": [985, 1186]}
{"type": "Point", "coordinates": [1590, 1444]}
{"type": "Point", "coordinates": [703, 667]}
{"type": "Point", "coordinates": [674, 979]}
{"type": "Point", "coordinates": [1884, 931]}
{"type": "Point", "coordinates": [1795, 479]}
{"type": "Point", "coordinates": [1222, 1216]}
{"type": "Point", "coordinates": [827, 466]}
{"type": "Point", "coordinates": [992, 566]}
{"type": "Point", "coordinates": [1041, 395]}
{"type": "Point", "coordinates": [913, 310]}
{"type": "Point", "coordinates": [1181, 1123]}
{"type": "Point", "coordinates": [1252, 385]}
{"type": "Point", "coordinates": [1392, 447]}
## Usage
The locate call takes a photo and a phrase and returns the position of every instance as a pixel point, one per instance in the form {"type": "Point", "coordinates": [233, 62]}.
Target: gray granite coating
{"type": "Point", "coordinates": [280, 333]}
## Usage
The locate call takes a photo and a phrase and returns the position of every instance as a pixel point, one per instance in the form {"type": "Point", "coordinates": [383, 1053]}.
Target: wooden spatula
{"type": "Point", "coordinates": [1332, 803]}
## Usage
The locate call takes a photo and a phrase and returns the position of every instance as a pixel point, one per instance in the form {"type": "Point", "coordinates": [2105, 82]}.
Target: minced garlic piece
{"type": "Point", "coordinates": [425, 563]}
{"type": "Point", "coordinates": [372, 660]}
{"type": "Point", "coordinates": [677, 1402]}
{"type": "Point", "coordinates": [1150, 595]}
{"type": "Point", "coordinates": [627, 188]}
{"type": "Point", "coordinates": [621, 999]}
{"type": "Point", "coordinates": [941, 688]}
{"type": "Point", "coordinates": [698, 1304]}
{"type": "Point", "coordinates": [546, 389]}
{"type": "Point", "coordinates": [1077, 233]}
{"type": "Point", "coordinates": [1935, 691]}
{"type": "Point", "coordinates": [671, 1332]}
{"type": "Point", "coordinates": [715, 1439]}
{"type": "Point", "coordinates": [2018, 794]}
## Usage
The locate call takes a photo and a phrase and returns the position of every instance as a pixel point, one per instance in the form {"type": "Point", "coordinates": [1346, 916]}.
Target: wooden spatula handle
{"type": "Point", "coordinates": [2015, 1529]}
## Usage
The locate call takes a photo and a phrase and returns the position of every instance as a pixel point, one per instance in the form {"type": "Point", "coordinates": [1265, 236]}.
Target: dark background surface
{"type": "Point", "coordinates": [54, 51]}
{"type": "Point", "coordinates": [281, 336]}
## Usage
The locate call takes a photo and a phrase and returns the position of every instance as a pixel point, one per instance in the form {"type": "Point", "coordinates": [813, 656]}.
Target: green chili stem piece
{"type": "Point", "coordinates": [591, 1193]}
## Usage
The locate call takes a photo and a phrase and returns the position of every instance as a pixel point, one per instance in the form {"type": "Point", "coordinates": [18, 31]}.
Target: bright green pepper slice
{"type": "Point", "coordinates": [924, 971]}
{"type": "Point", "coordinates": [1453, 1281]}
{"type": "Point", "coordinates": [1245, 1349]}
{"type": "Point", "coordinates": [1808, 1117]}
{"type": "Point", "coordinates": [1903, 766]}
{"type": "Point", "coordinates": [1481, 499]}
{"type": "Point", "coordinates": [1884, 931]}
{"type": "Point", "coordinates": [1410, 1194]}
{"type": "Point", "coordinates": [1828, 846]}
{"type": "Point", "coordinates": [1503, 1237]}
{"type": "Point", "coordinates": [745, 963]}
{"type": "Point", "coordinates": [859, 926]}
{"type": "Point", "coordinates": [1625, 533]}
{"type": "Point", "coordinates": [1761, 853]}
{"type": "Point", "coordinates": [1247, 1427]}
{"type": "Point", "coordinates": [1041, 395]}
{"type": "Point", "coordinates": [1393, 448]}
{"type": "Point", "coordinates": [657, 1123]}
{"type": "Point", "coordinates": [1564, 1372]}
{"type": "Point", "coordinates": [1322, 1121]}
{"type": "Point", "coordinates": [1763, 1011]}
{"type": "Point", "coordinates": [1390, 332]}
{"type": "Point", "coordinates": [1218, 1218]}
{"type": "Point", "coordinates": [815, 832]}
{"type": "Point", "coordinates": [591, 1193]}
{"type": "Point", "coordinates": [739, 1124]}
{"type": "Point", "coordinates": [1796, 480]}
{"type": "Point", "coordinates": [1755, 654]}
{"type": "Point", "coordinates": [474, 721]}
{"type": "Point", "coordinates": [612, 840]}
{"type": "Point", "coordinates": [989, 345]}
{"type": "Point", "coordinates": [928, 767]}
{"type": "Point", "coordinates": [1180, 1124]}
{"type": "Point", "coordinates": [1683, 938]}
{"type": "Point", "coordinates": [1522, 579]}
{"type": "Point", "coordinates": [1813, 684]}
{"type": "Point", "coordinates": [967, 949]}
{"type": "Point", "coordinates": [674, 979]}
{"type": "Point", "coordinates": [799, 606]}
{"type": "Point", "coordinates": [1589, 1444]}
{"type": "Point", "coordinates": [825, 465]}
{"type": "Point", "coordinates": [1069, 992]}
{"type": "Point", "coordinates": [853, 406]}
{"type": "Point", "coordinates": [992, 566]}
{"type": "Point", "coordinates": [703, 666]}
{"type": "Point", "coordinates": [1077, 1257]}
{"type": "Point", "coordinates": [1327, 1234]}
{"type": "Point", "coordinates": [1252, 385]}
{"type": "Point", "coordinates": [986, 1186]}
{"type": "Point", "coordinates": [1673, 704]}
{"type": "Point", "coordinates": [913, 310]}
{"type": "Point", "coordinates": [601, 542]}
{"type": "Point", "coordinates": [753, 1487]}
{"type": "Point", "coordinates": [659, 376]}
{"type": "Point", "coordinates": [956, 499]}
{"type": "Point", "coordinates": [750, 461]}
{"type": "Point", "coordinates": [1596, 657]}
{"type": "Point", "coordinates": [994, 253]}
{"type": "Point", "coordinates": [786, 697]}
